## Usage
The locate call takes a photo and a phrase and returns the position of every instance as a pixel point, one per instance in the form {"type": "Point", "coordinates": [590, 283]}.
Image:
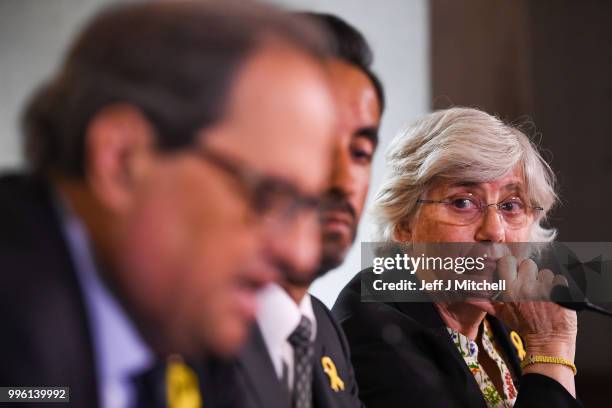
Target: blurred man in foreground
{"type": "Point", "coordinates": [297, 355]}
{"type": "Point", "coordinates": [176, 159]}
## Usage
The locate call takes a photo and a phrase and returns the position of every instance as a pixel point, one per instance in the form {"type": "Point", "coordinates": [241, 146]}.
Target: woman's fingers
{"type": "Point", "coordinates": [528, 280]}
{"type": "Point", "coordinates": [507, 271]}
{"type": "Point", "coordinates": [545, 279]}
{"type": "Point", "coordinates": [506, 267]}
{"type": "Point", "coordinates": [560, 280]}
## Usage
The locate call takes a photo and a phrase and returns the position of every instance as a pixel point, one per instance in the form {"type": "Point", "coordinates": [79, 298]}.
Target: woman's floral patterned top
{"type": "Point", "coordinates": [469, 351]}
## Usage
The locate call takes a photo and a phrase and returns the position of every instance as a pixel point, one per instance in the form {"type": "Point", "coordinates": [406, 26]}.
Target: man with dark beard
{"type": "Point", "coordinates": [297, 355]}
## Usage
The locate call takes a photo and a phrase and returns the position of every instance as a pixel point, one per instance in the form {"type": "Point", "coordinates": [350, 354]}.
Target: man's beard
{"type": "Point", "coordinates": [334, 249]}
{"type": "Point", "coordinates": [333, 254]}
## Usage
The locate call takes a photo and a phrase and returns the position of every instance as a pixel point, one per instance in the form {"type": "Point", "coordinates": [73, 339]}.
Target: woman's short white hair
{"type": "Point", "coordinates": [459, 144]}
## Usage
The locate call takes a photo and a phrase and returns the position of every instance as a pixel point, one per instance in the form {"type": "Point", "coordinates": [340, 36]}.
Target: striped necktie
{"type": "Point", "coordinates": [303, 350]}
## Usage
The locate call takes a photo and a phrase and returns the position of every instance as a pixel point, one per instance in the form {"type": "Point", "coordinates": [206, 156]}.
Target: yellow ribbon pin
{"type": "Point", "coordinates": [518, 343]}
{"type": "Point", "coordinates": [182, 385]}
{"type": "Point", "coordinates": [329, 367]}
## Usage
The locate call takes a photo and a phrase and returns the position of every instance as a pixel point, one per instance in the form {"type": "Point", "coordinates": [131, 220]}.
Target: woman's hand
{"type": "Point", "coordinates": [533, 319]}
{"type": "Point", "coordinates": [546, 328]}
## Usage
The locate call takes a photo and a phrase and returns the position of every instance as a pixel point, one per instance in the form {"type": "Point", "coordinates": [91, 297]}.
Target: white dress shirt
{"type": "Point", "coordinates": [278, 316]}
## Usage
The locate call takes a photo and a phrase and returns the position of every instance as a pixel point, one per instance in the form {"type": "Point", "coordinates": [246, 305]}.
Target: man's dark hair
{"type": "Point", "coordinates": [175, 61]}
{"type": "Point", "coordinates": [348, 44]}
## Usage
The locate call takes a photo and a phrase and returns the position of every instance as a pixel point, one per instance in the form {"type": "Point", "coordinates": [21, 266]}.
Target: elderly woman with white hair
{"type": "Point", "coordinates": [462, 175]}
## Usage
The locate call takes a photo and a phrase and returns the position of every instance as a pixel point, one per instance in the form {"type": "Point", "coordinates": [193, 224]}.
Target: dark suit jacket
{"type": "Point", "coordinates": [403, 356]}
{"type": "Point", "coordinates": [46, 340]}
{"type": "Point", "coordinates": [261, 387]}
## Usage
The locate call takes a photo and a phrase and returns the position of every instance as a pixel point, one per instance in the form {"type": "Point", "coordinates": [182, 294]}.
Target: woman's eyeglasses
{"type": "Point", "coordinates": [465, 210]}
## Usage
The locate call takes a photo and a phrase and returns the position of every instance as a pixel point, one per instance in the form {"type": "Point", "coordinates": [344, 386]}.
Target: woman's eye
{"type": "Point", "coordinates": [463, 204]}
{"type": "Point", "coordinates": [512, 206]}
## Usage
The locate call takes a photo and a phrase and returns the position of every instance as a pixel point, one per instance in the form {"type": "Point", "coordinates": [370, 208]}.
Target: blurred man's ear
{"type": "Point", "coordinates": [118, 147]}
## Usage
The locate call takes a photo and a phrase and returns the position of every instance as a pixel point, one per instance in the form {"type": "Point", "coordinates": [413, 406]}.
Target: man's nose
{"type": "Point", "coordinates": [342, 177]}
{"type": "Point", "coordinates": [298, 244]}
{"type": "Point", "coordinates": [491, 226]}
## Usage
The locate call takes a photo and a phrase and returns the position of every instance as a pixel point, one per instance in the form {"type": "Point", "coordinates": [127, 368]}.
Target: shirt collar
{"type": "Point", "coordinates": [278, 315]}
{"type": "Point", "coordinates": [466, 346]}
{"type": "Point", "coordinates": [120, 351]}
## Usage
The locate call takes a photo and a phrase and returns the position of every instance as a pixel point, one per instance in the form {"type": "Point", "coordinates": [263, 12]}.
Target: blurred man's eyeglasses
{"type": "Point", "coordinates": [467, 209]}
{"type": "Point", "coordinates": [272, 199]}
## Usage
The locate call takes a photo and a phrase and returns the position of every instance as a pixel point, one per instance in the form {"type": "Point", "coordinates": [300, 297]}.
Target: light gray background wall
{"type": "Point", "coordinates": [34, 34]}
